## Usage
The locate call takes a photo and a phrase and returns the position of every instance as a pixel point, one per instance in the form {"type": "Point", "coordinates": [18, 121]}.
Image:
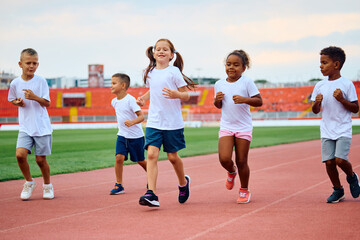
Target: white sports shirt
{"type": "Point", "coordinates": [33, 118]}
{"type": "Point", "coordinates": [336, 120]}
{"type": "Point", "coordinates": [164, 114]}
{"type": "Point", "coordinates": [236, 117]}
{"type": "Point", "coordinates": [126, 109]}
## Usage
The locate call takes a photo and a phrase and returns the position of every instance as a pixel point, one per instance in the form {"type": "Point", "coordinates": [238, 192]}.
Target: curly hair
{"type": "Point", "coordinates": [335, 53]}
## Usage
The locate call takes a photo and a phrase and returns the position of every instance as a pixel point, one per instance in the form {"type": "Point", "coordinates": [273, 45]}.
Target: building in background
{"type": "Point", "coordinates": [96, 75]}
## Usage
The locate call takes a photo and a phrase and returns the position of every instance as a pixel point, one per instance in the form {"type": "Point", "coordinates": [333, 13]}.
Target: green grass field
{"type": "Point", "coordinates": [83, 150]}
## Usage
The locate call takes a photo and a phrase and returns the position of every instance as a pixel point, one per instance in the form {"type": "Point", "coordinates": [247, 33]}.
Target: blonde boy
{"type": "Point", "coordinates": [30, 93]}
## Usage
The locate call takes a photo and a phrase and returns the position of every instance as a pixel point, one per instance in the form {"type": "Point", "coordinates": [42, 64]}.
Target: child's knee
{"type": "Point", "coordinates": [330, 163]}
{"type": "Point", "coordinates": [173, 157]}
{"type": "Point", "coordinates": [21, 154]}
{"type": "Point", "coordinates": [341, 162]}
{"type": "Point", "coordinates": [119, 158]}
{"type": "Point", "coordinates": [41, 161]}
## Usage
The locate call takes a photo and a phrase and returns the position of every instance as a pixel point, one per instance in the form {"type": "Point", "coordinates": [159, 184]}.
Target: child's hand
{"type": "Point", "coordinates": [19, 102]}
{"type": "Point", "coordinates": [140, 101]}
{"type": "Point", "coordinates": [219, 96]}
{"type": "Point", "coordinates": [128, 123]}
{"type": "Point", "coordinates": [319, 98]}
{"type": "Point", "coordinates": [338, 95]}
{"type": "Point", "coordinates": [29, 94]}
{"type": "Point", "coordinates": [171, 93]}
{"type": "Point", "coordinates": [239, 99]}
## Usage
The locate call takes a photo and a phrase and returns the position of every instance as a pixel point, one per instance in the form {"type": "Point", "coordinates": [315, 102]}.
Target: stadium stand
{"type": "Point", "coordinates": [94, 104]}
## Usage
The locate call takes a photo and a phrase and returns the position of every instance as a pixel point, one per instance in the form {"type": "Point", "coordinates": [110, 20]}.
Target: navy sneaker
{"type": "Point", "coordinates": [337, 196]}
{"type": "Point", "coordinates": [149, 199]}
{"type": "Point", "coordinates": [184, 192]}
{"type": "Point", "coordinates": [118, 189]}
{"type": "Point", "coordinates": [354, 185]}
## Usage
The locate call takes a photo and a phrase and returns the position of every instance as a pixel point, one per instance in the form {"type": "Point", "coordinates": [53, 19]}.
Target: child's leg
{"type": "Point", "coordinates": [142, 164]}
{"type": "Point", "coordinates": [333, 173]}
{"type": "Point", "coordinates": [44, 167]}
{"type": "Point", "coordinates": [151, 167]}
{"type": "Point", "coordinates": [226, 145]}
{"type": "Point", "coordinates": [21, 156]}
{"type": "Point", "coordinates": [178, 167]}
{"type": "Point", "coordinates": [241, 155]}
{"type": "Point", "coordinates": [119, 162]}
{"type": "Point", "coordinates": [345, 166]}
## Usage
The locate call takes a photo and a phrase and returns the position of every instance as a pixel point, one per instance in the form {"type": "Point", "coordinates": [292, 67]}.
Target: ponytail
{"type": "Point", "coordinates": [152, 64]}
{"type": "Point", "coordinates": [180, 64]}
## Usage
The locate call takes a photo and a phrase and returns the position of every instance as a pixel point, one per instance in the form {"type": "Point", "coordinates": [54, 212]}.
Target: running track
{"type": "Point", "coordinates": [289, 187]}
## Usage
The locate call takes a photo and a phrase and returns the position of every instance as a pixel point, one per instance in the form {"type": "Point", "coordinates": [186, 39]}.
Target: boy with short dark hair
{"type": "Point", "coordinates": [338, 98]}
{"type": "Point", "coordinates": [30, 93]}
{"type": "Point", "coordinates": [130, 137]}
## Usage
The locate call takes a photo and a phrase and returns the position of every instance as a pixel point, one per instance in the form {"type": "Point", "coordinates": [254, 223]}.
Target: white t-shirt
{"type": "Point", "coordinates": [33, 118]}
{"type": "Point", "coordinates": [164, 114]}
{"type": "Point", "coordinates": [126, 109]}
{"type": "Point", "coordinates": [236, 117]}
{"type": "Point", "coordinates": [336, 120]}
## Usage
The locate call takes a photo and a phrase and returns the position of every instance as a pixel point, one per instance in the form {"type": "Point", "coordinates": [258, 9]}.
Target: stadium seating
{"type": "Point", "coordinates": [285, 99]}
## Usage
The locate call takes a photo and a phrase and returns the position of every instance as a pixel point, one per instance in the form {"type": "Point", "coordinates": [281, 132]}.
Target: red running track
{"type": "Point", "coordinates": [289, 188]}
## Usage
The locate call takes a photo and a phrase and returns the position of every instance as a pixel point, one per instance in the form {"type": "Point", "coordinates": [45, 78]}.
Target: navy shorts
{"type": "Point", "coordinates": [172, 140]}
{"type": "Point", "coordinates": [135, 147]}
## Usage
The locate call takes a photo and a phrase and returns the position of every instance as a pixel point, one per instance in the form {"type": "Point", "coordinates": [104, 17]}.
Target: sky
{"type": "Point", "coordinates": [283, 38]}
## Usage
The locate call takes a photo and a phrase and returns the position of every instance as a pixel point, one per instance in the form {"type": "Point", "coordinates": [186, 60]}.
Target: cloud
{"type": "Point", "coordinates": [293, 28]}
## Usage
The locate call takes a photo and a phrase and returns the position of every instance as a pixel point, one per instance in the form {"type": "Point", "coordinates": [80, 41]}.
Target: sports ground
{"type": "Point", "coordinates": [289, 187]}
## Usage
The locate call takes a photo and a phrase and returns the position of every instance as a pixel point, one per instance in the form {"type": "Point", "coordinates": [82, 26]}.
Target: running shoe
{"type": "Point", "coordinates": [337, 195]}
{"type": "Point", "coordinates": [184, 192]}
{"type": "Point", "coordinates": [149, 199]}
{"type": "Point", "coordinates": [48, 191]}
{"type": "Point", "coordinates": [118, 189]}
{"type": "Point", "coordinates": [230, 181]}
{"type": "Point", "coordinates": [354, 185]}
{"type": "Point", "coordinates": [244, 196]}
{"type": "Point", "coordinates": [27, 190]}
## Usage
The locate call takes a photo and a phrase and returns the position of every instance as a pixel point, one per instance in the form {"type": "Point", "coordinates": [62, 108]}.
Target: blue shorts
{"type": "Point", "coordinates": [42, 144]}
{"type": "Point", "coordinates": [172, 140]}
{"type": "Point", "coordinates": [135, 147]}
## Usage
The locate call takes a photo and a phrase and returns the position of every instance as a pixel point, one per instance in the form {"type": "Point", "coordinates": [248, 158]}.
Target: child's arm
{"type": "Point", "coordinates": [254, 101]}
{"type": "Point", "coordinates": [141, 100]}
{"type": "Point", "coordinates": [316, 107]}
{"type": "Point", "coordinates": [31, 96]}
{"type": "Point", "coordinates": [218, 99]}
{"type": "Point", "coordinates": [351, 106]}
{"type": "Point", "coordinates": [18, 102]}
{"type": "Point", "coordinates": [139, 119]}
{"type": "Point", "coordinates": [181, 93]}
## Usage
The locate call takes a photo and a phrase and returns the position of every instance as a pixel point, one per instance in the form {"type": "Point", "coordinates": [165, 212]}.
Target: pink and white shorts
{"type": "Point", "coordinates": [243, 135]}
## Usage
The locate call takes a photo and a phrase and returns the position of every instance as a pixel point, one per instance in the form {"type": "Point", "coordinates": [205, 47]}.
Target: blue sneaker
{"type": "Point", "coordinates": [184, 192]}
{"type": "Point", "coordinates": [149, 199]}
{"type": "Point", "coordinates": [118, 189]}
{"type": "Point", "coordinates": [354, 185]}
{"type": "Point", "coordinates": [337, 196]}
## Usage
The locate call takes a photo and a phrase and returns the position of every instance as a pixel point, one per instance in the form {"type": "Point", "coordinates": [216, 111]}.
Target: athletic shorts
{"type": "Point", "coordinates": [330, 149]}
{"type": "Point", "coordinates": [135, 147]}
{"type": "Point", "coordinates": [172, 140]}
{"type": "Point", "coordinates": [42, 144]}
{"type": "Point", "coordinates": [243, 135]}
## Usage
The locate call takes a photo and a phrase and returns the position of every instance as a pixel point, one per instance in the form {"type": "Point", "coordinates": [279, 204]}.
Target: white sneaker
{"type": "Point", "coordinates": [27, 190]}
{"type": "Point", "coordinates": [48, 191]}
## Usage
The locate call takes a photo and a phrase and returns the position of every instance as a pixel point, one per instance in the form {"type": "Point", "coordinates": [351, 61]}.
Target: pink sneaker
{"type": "Point", "coordinates": [230, 181]}
{"type": "Point", "coordinates": [244, 196]}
